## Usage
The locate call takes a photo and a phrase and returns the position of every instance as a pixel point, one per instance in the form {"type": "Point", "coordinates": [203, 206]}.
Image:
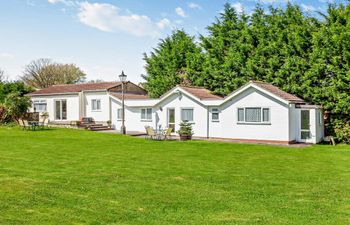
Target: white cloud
{"type": "Point", "coordinates": [5, 55]}
{"type": "Point", "coordinates": [65, 2]}
{"type": "Point", "coordinates": [193, 5]}
{"type": "Point", "coordinates": [110, 18]}
{"type": "Point", "coordinates": [238, 7]}
{"type": "Point", "coordinates": [308, 8]}
{"type": "Point", "coordinates": [179, 11]}
{"type": "Point", "coordinates": [164, 23]}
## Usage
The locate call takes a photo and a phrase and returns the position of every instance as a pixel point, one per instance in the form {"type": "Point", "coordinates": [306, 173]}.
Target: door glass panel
{"type": "Point", "coordinates": [305, 119]}
{"type": "Point", "coordinates": [171, 119]}
{"type": "Point", "coordinates": [64, 109]}
{"type": "Point", "coordinates": [305, 135]}
{"type": "Point", "coordinates": [57, 110]}
{"type": "Point", "coordinates": [305, 124]}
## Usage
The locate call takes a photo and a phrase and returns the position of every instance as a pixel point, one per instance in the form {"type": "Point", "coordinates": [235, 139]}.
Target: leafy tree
{"type": "Point", "coordinates": [2, 76]}
{"type": "Point", "coordinates": [301, 54]}
{"type": "Point", "coordinates": [12, 102]}
{"type": "Point", "coordinates": [226, 49]}
{"type": "Point", "coordinates": [328, 80]}
{"type": "Point", "coordinates": [42, 73]}
{"type": "Point", "coordinates": [13, 87]}
{"type": "Point", "coordinates": [177, 59]}
{"type": "Point", "coordinates": [16, 105]}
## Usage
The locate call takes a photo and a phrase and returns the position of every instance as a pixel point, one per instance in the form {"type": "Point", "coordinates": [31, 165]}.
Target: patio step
{"type": "Point", "coordinates": [99, 128]}
{"type": "Point", "coordinates": [96, 125]}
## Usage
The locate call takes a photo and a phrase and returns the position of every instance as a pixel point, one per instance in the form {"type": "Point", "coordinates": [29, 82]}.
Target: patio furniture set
{"type": "Point", "coordinates": [33, 121]}
{"type": "Point", "coordinates": [158, 134]}
{"type": "Point", "coordinates": [33, 125]}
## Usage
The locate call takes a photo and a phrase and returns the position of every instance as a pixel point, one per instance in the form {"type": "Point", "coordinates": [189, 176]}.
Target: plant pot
{"type": "Point", "coordinates": [184, 137]}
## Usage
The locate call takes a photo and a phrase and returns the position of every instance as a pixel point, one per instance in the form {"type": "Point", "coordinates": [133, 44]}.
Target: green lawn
{"type": "Point", "coordinates": [67, 176]}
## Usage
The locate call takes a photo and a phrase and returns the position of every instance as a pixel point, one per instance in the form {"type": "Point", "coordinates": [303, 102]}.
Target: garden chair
{"type": "Point", "coordinates": [43, 122]}
{"type": "Point", "coordinates": [21, 123]}
{"type": "Point", "coordinates": [167, 133]}
{"type": "Point", "coordinates": [26, 124]}
{"type": "Point", "coordinates": [146, 128]}
{"type": "Point", "coordinates": [150, 133]}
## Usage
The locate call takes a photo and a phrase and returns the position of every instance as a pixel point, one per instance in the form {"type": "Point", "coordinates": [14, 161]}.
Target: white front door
{"type": "Point", "coordinates": [305, 133]}
{"type": "Point", "coordinates": [171, 119]}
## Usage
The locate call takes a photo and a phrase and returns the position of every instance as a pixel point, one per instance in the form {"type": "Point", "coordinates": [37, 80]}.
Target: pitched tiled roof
{"type": "Point", "coordinates": [74, 88]}
{"type": "Point", "coordinates": [201, 93]}
{"type": "Point", "coordinates": [276, 91]}
{"type": "Point", "coordinates": [128, 96]}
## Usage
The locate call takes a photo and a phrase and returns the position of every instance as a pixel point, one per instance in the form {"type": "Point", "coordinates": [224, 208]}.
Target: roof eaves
{"type": "Point", "coordinates": [47, 94]}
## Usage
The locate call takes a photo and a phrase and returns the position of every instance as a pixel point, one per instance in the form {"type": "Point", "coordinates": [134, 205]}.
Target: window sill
{"type": "Point", "coordinates": [146, 120]}
{"type": "Point", "coordinates": [253, 123]}
{"type": "Point", "coordinates": [215, 121]}
{"type": "Point", "coordinates": [96, 110]}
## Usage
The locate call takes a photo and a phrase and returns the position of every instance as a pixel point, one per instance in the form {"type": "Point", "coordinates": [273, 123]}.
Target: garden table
{"type": "Point", "coordinates": [159, 133]}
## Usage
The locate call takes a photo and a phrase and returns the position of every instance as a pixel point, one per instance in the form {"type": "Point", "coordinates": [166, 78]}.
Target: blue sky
{"type": "Point", "coordinates": [104, 37]}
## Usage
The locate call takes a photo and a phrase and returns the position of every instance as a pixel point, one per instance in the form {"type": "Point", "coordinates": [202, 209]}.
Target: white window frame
{"type": "Point", "coordinates": [146, 118]}
{"type": "Point", "coordinates": [215, 111]}
{"type": "Point", "coordinates": [61, 109]}
{"type": "Point", "coordinates": [187, 108]}
{"type": "Point", "coordinates": [121, 114]}
{"type": "Point", "coordinates": [39, 102]}
{"type": "Point", "coordinates": [261, 115]}
{"type": "Point", "coordinates": [92, 105]}
{"type": "Point", "coordinates": [320, 117]}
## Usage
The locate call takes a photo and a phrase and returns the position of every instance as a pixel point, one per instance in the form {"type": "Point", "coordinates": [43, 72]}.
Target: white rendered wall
{"type": "Point", "coordinates": [276, 130]}
{"type": "Point", "coordinates": [98, 115]}
{"type": "Point", "coordinates": [178, 102]}
{"type": "Point", "coordinates": [133, 120]}
{"type": "Point", "coordinates": [72, 106]}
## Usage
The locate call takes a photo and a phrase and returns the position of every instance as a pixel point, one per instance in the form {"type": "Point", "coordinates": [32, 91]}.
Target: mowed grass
{"type": "Point", "coordinates": [64, 176]}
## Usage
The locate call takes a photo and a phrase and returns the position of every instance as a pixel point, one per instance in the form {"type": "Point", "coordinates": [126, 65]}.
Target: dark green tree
{"type": "Point", "coordinates": [227, 48]}
{"type": "Point", "coordinates": [177, 59]}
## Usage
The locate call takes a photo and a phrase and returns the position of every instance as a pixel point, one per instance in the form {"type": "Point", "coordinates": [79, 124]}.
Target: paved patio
{"type": "Point", "coordinates": [176, 138]}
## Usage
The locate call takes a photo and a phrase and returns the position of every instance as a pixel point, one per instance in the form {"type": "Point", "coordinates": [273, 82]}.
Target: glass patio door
{"type": "Point", "coordinates": [305, 124]}
{"type": "Point", "coordinates": [61, 109]}
{"type": "Point", "coordinates": [171, 119]}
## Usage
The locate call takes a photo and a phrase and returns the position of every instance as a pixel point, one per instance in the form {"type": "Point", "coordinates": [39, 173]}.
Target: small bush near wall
{"type": "Point", "coordinates": [342, 131]}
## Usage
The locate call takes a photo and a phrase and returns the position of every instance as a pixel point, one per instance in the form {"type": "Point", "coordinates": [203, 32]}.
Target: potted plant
{"type": "Point", "coordinates": [109, 123]}
{"type": "Point", "coordinates": [185, 131]}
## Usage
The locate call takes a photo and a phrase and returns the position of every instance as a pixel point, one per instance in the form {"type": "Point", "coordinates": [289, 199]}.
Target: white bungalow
{"type": "Point", "coordinates": [256, 112]}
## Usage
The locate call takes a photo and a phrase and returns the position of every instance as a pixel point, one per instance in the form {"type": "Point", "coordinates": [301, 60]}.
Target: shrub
{"type": "Point", "coordinates": [342, 131]}
{"type": "Point", "coordinates": [16, 106]}
{"type": "Point", "coordinates": [2, 112]}
{"type": "Point", "coordinates": [185, 129]}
